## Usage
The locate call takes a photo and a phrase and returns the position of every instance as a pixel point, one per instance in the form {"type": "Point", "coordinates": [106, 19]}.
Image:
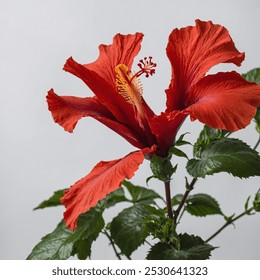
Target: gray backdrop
{"type": "Point", "coordinates": [38, 157]}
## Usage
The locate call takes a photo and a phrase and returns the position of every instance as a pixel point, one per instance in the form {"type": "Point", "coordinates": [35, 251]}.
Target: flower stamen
{"type": "Point", "coordinates": [147, 67]}
{"type": "Point", "coordinates": [130, 86]}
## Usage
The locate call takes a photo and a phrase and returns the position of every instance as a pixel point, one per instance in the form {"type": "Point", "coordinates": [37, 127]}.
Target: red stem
{"type": "Point", "coordinates": [168, 199]}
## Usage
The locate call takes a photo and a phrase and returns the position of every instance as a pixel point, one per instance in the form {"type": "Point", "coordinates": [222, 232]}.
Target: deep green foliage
{"type": "Point", "coordinates": [226, 155]}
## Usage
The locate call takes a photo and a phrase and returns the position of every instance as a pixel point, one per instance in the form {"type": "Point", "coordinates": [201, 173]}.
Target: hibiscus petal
{"type": "Point", "coordinates": [123, 50]}
{"type": "Point", "coordinates": [224, 101]}
{"type": "Point", "coordinates": [67, 110]}
{"type": "Point", "coordinates": [105, 90]}
{"type": "Point", "coordinates": [123, 111]}
{"type": "Point", "coordinates": [165, 127]}
{"type": "Point", "coordinates": [100, 75]}
{"type": "Point", "coordinates": [194, 50]}
{"type": "Point", "coordinates": [104, 178]}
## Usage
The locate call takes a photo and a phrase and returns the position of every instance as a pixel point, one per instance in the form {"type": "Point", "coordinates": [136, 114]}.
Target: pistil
{"type": "Point", "coordinates": [130, 86]}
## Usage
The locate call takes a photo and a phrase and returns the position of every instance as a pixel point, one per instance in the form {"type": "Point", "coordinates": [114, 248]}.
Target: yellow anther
{"type": "Point", "coordinates": [128, 86]}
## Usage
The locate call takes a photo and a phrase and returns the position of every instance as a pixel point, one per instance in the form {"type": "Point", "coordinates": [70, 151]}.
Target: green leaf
{"type": "Point", "coordinates": [181, 142]}
{"type": "Point", "coordinates": [148, 179]}
{"type": "Point", "coordinates": [202, 205]}
{"type": "Point", "coordinates": [128, 229]}
{"type": "Point", "coordinates": [226, 155]}
{"type": "Point", "coordinates": [90, 225]}
{"type": "Point", "coordinates": [63, 243]}
{"type": "Point", "coordinates": [82, 249]}
{"type": "Point", "coordinates": [256, 202]}
{"type": "Point", "coordinates": [162, 168]}
{"type": "Point", "coordinates": [247, 203]}
{"type": "Point", "coordinates": [254, 76]}
{"type": "Point", "coordinates": [257, 120]}
{"type": "Point", "coordinates": [115, 197]}
{"type": "Point", "coordinates": [229, 218]}
{"type": "Point", "coordinates": [140, 194]}
{"type": "Point", "coordinates": [54, 200]}
{"type": "Point", "coordinates": [177, 152]}
{"type": "Point", "coordinates": [155, 212]}
{"type": "Point", "coordinates": [207, 136]}
{"type": "Point", "coordinates": [191, 248]}
{"type": "Point", "coordinates": [162, 227]}
{"type": "Point", "coordinates": [54, 246]}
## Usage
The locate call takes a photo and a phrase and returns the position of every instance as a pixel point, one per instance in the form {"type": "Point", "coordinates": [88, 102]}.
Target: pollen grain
{"type": "Point", "coordinates": [128, 86]}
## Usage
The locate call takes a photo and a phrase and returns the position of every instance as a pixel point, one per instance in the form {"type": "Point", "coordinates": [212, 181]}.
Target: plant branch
{"type": "Point", "coordinates": [229, 222]}
{"type": "Point", "coordinates": [112, 243]}
{"type": "Point", "coordinates": [148, 243]}
{"type": "Point", "coordinates": [168, 199]}
{"type": "Point", "coordinates": [189, 188]}
{"type": "Point", "coordinates": [257, 143]}
{"type": "Point", "coordinates": [180, 216]}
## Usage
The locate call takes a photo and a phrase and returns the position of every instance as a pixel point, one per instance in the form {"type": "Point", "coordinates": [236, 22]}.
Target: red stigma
{"type": "Point", "coordinates": [147, 67]}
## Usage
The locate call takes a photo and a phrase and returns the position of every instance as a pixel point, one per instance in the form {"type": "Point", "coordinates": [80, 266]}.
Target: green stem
{"type": "Point", "coordinates": [189, 188]}
{"type": "Point", "coordinates": [257, 143]}
{"type": "Point", "coordinates": [112, 243]}
{"type": "Point", "coordinates": [180, 216]}
{"type": "Point", "coordinates": [168, 199]}
{"type": "Point", "coordinates": [148, 243]}
{"type": "Point", "coordinates": [228, 134]}
{"type": "Point", "coordinates": [229, 222]}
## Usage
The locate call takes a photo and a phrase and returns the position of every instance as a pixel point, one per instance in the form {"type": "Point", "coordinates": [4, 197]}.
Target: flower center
{"type": "Point", "coordinates": [129, 85]}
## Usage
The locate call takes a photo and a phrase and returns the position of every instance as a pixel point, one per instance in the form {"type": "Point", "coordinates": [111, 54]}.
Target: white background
{"type": "Point", "coordinates": [39, 157]}
{"type": "Point", "coordinates": [132, 270]}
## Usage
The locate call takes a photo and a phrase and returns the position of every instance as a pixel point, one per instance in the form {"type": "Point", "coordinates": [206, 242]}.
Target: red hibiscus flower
{"type": "Point", "coordinates": [223, 100]}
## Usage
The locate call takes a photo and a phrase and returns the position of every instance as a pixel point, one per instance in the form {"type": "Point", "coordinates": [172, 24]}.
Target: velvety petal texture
{"type": "Point", "coordinates": [100, 75]}
{"type": "Point", "coordinates": [193, 51]}
{"type": "Point", "coordinates": [166, 127]}
{"type": "Point", "coordinates": [123, 50]}
{"type": "Point", "coordinates": [104, 178]}
{"type": "Point", "coordinates": [67, 110]}
{"type": "Point", "coordinates": [224, 101]}
{"type": "Point", "coordinates": [108, 106]}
